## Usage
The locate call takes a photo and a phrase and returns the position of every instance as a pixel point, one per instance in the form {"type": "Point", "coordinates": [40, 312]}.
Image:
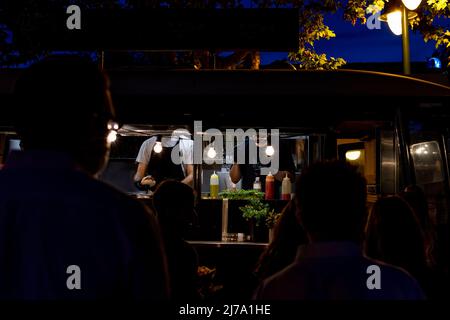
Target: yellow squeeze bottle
{"type": "Point", "coordinates": [214, 186]}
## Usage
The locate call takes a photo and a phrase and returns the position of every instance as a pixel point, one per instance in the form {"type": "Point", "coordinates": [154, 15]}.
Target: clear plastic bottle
{"type": "Point", "coordinates": [257, 184]}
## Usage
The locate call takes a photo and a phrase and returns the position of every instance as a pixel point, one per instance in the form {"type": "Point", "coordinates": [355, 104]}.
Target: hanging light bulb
{"type": "Point", "coordinates": [112, 131]}
{"type": "Point", "coordinates": [112, 136]}
{"type": "Point", "coordinates": [270, 151]}
{"type": "Point", "coordinates": [411, 4]}
{"type": "Point", "coordinates": [394, 20]}
{"type": "Point", "coordinates": [158, 147]}
{"type": "Point", "coordinates": [112, 125]}
{"type": "Point", "coordinates": [212, 153]}
{"type": "Point", "coordinates": [353, 155]}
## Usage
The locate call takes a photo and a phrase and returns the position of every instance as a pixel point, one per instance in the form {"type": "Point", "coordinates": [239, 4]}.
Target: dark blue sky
{"type": "Point", "coordinates": [359, 44]}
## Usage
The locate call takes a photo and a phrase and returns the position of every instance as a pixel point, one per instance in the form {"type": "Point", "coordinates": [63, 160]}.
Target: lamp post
{"type": "Point", "coordinates": [405, 42]}
{"type": "Point", "coordinates": [397, 14]}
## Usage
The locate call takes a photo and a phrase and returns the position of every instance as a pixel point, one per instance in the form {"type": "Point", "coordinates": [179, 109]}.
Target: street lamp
{"type": "Point", "coordinates": [412, 4]}
{"type": "Point", "coordinates": [397, 14]}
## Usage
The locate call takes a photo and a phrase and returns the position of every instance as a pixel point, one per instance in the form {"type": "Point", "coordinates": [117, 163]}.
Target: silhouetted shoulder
{"type": "Point", "coordinates": [109, 195]}
{"type": "Point", "coordinates": [397, 283]}
{"type": "Point", "coordinates": [339, 278]}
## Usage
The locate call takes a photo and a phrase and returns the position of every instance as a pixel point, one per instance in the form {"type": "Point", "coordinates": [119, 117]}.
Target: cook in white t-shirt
{"type": "Point", "coordinates": [154, 167]}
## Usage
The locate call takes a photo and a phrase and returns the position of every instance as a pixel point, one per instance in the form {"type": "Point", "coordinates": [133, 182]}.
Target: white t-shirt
{"type": "Point", "coordinates": [186, 147]}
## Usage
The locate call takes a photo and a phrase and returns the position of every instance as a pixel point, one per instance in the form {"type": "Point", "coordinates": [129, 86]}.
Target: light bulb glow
{"type": "Point", "coordinates": [158, 147]}
{"type": "Point", "coordinates": [112, 125]}
{"type": "Point", "coordinates": [211, 153]}
{"type": "Point", "coordinates": [394, 20]}
{"type": "Point", "coordinates": [353, 155]}
{"type": "Point", "coordinates": [270, 151]}
{"type": "Point", "coordinates": [421, 150]}
{"type": "Point", "coordinates": [412, 4]}
{"type": "Point", "coordinates": [112, 136]}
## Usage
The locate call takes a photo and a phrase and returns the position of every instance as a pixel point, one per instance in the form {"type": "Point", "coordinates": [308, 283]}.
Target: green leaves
{"type": "Point", "coordinates": [241, 195]}
{"type": "Point", "coordinates": [431, 23]}
{"type": "Point", "coordinates": [438, 5]}
{"type": "Point", "coordinates": [355, 10]}
{"type": "Point", "coordinates": [272, 219]}
{"type": "Point", "coordinates": [255, 209]}
{"type": "Point", "coordinates": [308, 59]}
{"type": "Point", "coordinates": [312, 28]}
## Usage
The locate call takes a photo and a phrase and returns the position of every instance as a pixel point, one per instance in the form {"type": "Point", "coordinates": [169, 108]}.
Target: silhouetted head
{"type": "Point", "coordinates": [417, 199]}
{"type": "Point", "coordinates": [174, 204]}
{"type": "Point", "coordinates": [288, 235]}
{"type": "Point", "coordinates": [331, 202]}
{"type": "Point", "coordinates": [393, 234]}
{"type": "Point", "coordinates": [63, 104]}
{"type": "Point", "coordinates": [287, 230]}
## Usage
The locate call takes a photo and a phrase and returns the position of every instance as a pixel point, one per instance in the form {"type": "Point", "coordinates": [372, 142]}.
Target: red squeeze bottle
{"type": "Point", "coordinates": [270, 187]}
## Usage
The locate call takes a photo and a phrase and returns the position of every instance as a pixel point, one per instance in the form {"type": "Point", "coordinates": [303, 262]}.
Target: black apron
{"type": "Point", "coordinates": [161, 166]}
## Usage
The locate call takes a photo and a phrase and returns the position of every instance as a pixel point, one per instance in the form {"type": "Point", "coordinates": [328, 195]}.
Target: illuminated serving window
{"type": "Point", "coordinates": [427, 162]}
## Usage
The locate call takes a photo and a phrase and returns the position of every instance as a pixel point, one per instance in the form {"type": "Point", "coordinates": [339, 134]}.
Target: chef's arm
{"type": "Point", "coordinates": [189, 180]}
{"type": "Point", "coordinates": [140, 172]}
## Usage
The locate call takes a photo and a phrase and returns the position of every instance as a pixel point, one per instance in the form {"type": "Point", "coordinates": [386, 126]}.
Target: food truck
{"type": "Point", "coordinates": [395, 129]}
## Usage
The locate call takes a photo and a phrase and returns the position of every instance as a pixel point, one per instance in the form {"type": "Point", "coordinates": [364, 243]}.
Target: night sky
{"type": "Point", "coordinates": [359, 44]}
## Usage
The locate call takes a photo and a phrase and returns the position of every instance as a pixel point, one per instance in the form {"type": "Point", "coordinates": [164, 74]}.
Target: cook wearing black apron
{"type": "Point", "coordinates": [161, 166]}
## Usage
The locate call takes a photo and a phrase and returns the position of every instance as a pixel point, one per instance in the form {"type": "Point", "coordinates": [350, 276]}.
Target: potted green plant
{"type": "Point", "coordinates": [271, 220]}
{"type": "Point", "coordinates": [258, 213]}
{"type": "Point", "coordinates": [255, 209]}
